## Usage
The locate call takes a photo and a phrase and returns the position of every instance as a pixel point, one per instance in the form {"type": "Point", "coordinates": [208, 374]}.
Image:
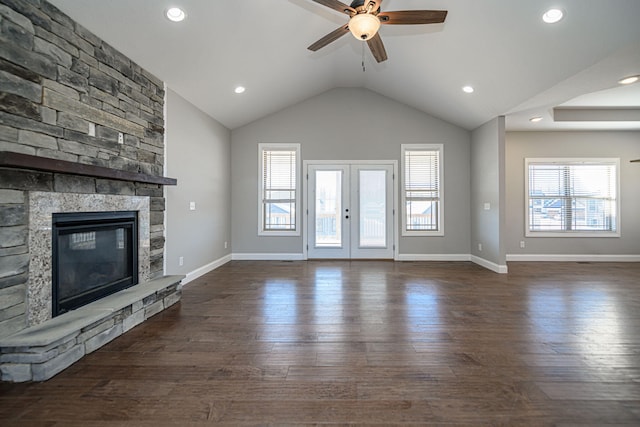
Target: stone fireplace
{"type": "Point", "coordinates": [82, 130]}
{"type": "Point", "coordinates": [54, 339]}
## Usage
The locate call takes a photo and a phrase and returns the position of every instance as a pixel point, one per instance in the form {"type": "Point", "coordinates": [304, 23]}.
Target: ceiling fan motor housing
{"type": "Point", "coordinates": [357, 3]}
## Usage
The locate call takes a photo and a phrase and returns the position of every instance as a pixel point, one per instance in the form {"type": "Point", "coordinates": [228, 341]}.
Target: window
{"type": "Point", "coordinates": [422, 190]}
{"type": "Point", "coordinates": [572, 197]}
{"type": "Point", "coordinates": [279, 166]}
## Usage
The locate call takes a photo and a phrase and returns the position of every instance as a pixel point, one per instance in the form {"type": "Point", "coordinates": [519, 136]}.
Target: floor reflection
{"type": "Point", "coordinates": [280, 302]}
{"type": "Point", "coordinates": [327, 295]}
{"type": "Point", "coordinates": [590, 315]}
{"type": "Point", "coordinates": [422, 309]}
{"type": "Point", "coordinates": [374, 298]}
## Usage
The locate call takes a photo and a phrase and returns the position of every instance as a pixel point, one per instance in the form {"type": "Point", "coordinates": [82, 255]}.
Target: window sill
{"type": "Point", "coordinates": [422, 233]}
{"type": "Point", "coordinates": [278, 233]}
{"type": "Point", "coordinates": [572, 234]}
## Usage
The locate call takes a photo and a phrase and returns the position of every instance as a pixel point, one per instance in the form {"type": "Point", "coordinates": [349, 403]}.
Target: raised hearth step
{"type": "Point", "coordinates": [39, 352]}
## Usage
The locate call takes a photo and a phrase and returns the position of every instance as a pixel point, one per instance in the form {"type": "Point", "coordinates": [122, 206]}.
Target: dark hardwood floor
{"type": "Point", "coordinates": [363, 342]}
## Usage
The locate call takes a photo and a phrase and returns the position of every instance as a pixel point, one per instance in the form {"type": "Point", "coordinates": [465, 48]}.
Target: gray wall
{"type": "Point", "coordinates": [625, 145]}
{"type": "Point", "coordinates": [199, 156]}
{"type": "Point", "coordinates": [350, 124]}
{"type": "Point", "coordinates": [487, 186]}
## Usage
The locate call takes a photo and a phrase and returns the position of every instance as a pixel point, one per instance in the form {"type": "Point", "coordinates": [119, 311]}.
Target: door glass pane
{"type": "Point", "coordinates": [328, 208]}
{"type": "Point", "coordinates": [372, 203]}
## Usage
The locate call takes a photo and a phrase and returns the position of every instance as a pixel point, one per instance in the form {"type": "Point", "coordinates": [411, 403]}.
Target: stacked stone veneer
{"type": "Point", "coordinates": [40, 352]}
{"type": "Point", "coordinates": [56, 80]}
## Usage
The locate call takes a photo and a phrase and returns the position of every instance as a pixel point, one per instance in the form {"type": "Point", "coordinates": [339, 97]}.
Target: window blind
{"type": "Point", "coordinates": [279, 189]}
{"type": "Point", "coordinates": [422, 178]}
{"type": "Point", "coordinates": [279, 175]}
{"type": "Point", "coordinates": [421, 189]}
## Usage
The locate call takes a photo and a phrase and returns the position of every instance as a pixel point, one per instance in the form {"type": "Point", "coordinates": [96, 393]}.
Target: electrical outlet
{"type": "Point", "coordinates": [92, 129]}
{"type": "Point", "coordinates": [120, 138]}
{"type": "Point", "coordinates": [480, 247]}
{"type": "Point", "coordinates": [181, 261]}
{"type": "Point", "coordinates": [522, 243]}
{"type": "Point", "coordinates": [226, 244]}
{"type": "Point", "coordinates": [192, 206]}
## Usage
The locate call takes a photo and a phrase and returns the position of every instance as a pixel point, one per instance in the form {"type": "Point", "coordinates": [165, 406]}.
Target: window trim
{"type": "Point", "coordinates": [615, 161]}
{"type": "Point", "coordinates": [422, 147]}
{"type": "Point", "coordinates": [285, 147]}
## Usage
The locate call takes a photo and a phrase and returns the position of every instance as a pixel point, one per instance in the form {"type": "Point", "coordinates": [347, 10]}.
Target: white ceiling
{"type": "Point", "coordinates": [519, 66]}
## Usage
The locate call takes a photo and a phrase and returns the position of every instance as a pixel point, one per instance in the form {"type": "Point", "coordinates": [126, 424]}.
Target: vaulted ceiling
{"type": "Point", "coordinates": [518, 65]}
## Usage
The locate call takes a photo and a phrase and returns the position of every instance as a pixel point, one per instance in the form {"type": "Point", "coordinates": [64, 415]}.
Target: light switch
{"type": "Point", "coordinates": [192, 206]}
{"type": "Point", "coordinates": [487, 206]}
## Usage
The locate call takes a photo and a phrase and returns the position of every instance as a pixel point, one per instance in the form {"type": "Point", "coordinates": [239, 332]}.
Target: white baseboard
{"type": "Point", "coordinates": [573, 258]}
{"type": "Point", "coordinates": [205, 269]}
{"type": "Point", "coordinates": [432, 257]}
{"type": "Point", "coordinates": [267, 257]}
{"type": "Point", "coordinates": [497, 268]}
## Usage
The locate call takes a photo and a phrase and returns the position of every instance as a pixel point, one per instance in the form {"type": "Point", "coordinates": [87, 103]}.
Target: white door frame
{"type": "Point", "coordinates": [305, 205]}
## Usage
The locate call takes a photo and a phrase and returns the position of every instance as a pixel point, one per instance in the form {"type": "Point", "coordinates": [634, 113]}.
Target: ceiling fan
{"type": "Point", "coordinates": [366, 18]}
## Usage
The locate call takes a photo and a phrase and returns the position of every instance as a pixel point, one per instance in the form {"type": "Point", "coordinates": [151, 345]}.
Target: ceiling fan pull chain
{"type": "Point", "coordinates": [363, 68]}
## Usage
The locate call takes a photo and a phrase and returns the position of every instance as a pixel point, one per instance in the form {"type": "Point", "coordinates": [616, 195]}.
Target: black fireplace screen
{"type": "Point", "coordinates": [94, 255]}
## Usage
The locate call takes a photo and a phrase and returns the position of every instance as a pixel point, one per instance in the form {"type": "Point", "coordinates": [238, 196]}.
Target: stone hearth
{"type": "Point", "coordinates": [40, 352]}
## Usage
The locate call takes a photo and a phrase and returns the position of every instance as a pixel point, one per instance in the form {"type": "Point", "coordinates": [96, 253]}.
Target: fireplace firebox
{"type": "Point", "coordinates": [95, 254]}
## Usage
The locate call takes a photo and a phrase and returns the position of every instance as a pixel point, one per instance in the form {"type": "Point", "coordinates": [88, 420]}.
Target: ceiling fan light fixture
{"type": "Point", "coordinates": [363, 26]}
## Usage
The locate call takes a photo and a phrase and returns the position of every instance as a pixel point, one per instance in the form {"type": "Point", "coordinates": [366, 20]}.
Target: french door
{"type": "Point", "coordinates": [350, 210]}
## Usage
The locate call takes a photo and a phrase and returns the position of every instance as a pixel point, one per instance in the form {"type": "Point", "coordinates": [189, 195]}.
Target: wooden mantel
{"type": "Point", "coordinates": [27, 161]}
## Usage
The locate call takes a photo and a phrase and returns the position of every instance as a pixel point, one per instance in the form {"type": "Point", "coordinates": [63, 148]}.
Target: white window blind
{"type": "Point", "coordinates": [572, 196]}
{"type": "Point", "coordinates": [422, 188]}
{"type": "Point", "coordinates": [279, 166]}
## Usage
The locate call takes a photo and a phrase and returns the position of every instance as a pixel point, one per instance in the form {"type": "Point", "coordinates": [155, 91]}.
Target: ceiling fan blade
{"type": "Point", "coordinates": [337, 5]}
{"type": "Point", "coordinates": [331, 37]}
{"type": "Point", "coordinates": [410, 17]}
{"type": "Point", "coordinates": [377, 48]}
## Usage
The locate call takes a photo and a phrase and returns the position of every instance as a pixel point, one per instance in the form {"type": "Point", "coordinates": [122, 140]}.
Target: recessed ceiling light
{"type": "Point", "coordinates": [175, 14]}
{"type": "Point", "coordinates": [239, 89]}
{"type": "Point", "coordinates": [535, 119]}
{"type": "Point", "coordinates": [467, 89]}
{"type": "Point", "coordinates": [629, 80]}
{"type": "Point", "coordinates": [552, 16]}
